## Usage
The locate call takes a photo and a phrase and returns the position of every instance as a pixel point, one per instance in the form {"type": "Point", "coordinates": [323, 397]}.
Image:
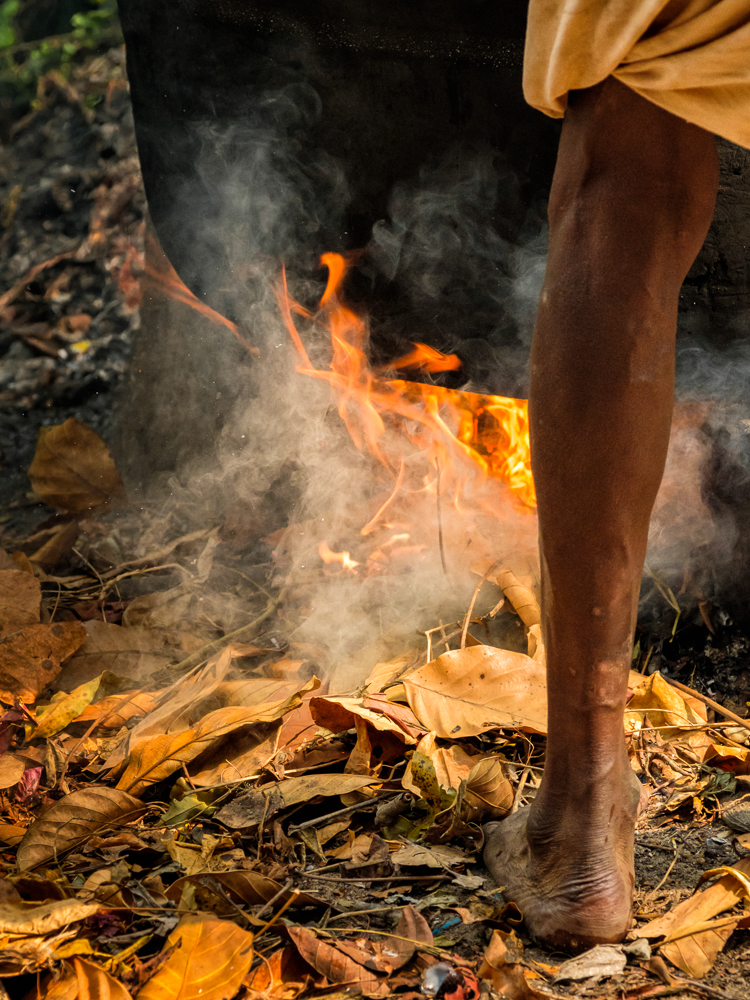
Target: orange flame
{"type": "Point", "coordinates": [464, 434]}
{"type": "Point", "coordinates": [340, 557]}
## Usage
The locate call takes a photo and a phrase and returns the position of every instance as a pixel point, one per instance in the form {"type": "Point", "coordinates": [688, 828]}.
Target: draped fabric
{"type": "Point", "coordinates": [691, 57]}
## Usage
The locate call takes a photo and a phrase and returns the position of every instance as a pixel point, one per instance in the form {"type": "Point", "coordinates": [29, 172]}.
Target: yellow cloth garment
{"type": "Point", "coordinates": [691, 57]}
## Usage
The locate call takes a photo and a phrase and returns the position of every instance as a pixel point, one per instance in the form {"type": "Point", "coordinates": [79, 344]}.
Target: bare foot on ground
{"type": "Point", "coordinates": [567, 863]}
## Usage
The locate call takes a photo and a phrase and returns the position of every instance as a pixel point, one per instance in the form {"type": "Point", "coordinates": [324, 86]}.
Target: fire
{"type": "Point", "coordinates": [465, 435]}
{"type": "Point", "coordinates": [340, 557]}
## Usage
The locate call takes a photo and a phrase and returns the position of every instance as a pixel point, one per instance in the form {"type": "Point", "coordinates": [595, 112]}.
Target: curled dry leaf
{"type": "Point", "coordinates": [127, 652]}
{"type": "Point", "coordinates": [262, 803]}
{"type": "Point", "coordinates": [72, 820]}
{"type": "Point", "coordinates": [488, 793]}
{"type": "Point", "coordinates": [156, 758]}
{"type": "Point", "coordinates": [20, 600]}
{"type": "Point", "coordinates": [115, 710]}
{"type": "Point", "coordinates": [597, 963]}
{"type": "Point", "coordinates": [73, 470]}
{"type": "Point", "coordinates": [66, 709]}
{"type": "Point", "coordinates": [467, 691]}
{"type": "Point", "coordinates": [334, 964]}
{"type": "Point", "coordinates": [692, 942]}
{"type": "Point", "coordinates": [58, 546]}
{"type": "Point", "coordinates": [521, 597]}
{"type": "Point", "coordinates": [37, 919]}
{"type": "Point", "coordinates": [338, 714]}
{"type": "Point", "coordinates": [208, 959]}
{"type": "Point", "coordinates": [12, 766]}
{"type": "Point", "coordinates": [283, 976]}
{"type": "Point", "coordinates": [411, 931]}
{"type": "Point", "coordinates": [31, 659]}
{"type": "Point", "coordinates": [247, 887]}
{"type": "Point", "coordinates": [665, 708]}
{"type": "Point", "coordinates": [94, 983]}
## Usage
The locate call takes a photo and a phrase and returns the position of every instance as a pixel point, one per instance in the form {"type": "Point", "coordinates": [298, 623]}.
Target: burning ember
{"type": "Point", "coordinates": [466, 436]}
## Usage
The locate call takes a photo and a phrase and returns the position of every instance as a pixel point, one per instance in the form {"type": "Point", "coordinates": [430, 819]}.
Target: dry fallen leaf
{"type": "Point", "coordinates": [73, 819]}
{"type": "Point", "coordinates": [20, 600]}
{"type": "Point", "coordinates": [38, 919]}
{"type": "Point", "coordinates": [155, 758]}
{"type": "Point", "coordinates": [597, 963]}
{"type": "Point", "coordinates": [66, 709]}
{"type": "Point", "coordinates": [116, 709]}
{"type": "Point", "coordinates": [283, 976]}
{"type": "Point", "coordinates": [691, 941]}
{"type": "Point", "coordinates": [467, 691]}
{"type": "Point", "coordinates": [31, 659]}
{"type": "Point", "coordinates": [665, 708]}
{"type": "Point", "coordinates": [338, 714]}
{"type": "Point", "coordinates": [208, 959]}
{"type": "Point", "coordinates": [73, 470]}
{"type": "Point", "coordinates": [247, 887]}
{"type": "Point", "coordinates": [262, 803]}
{"type": "Point", "coordinates": [410, 932]}
{"type": "Point", "coordinates": [335, 965]}
{"type": "Point", "coordinates": [94, 983]}
{"type": "Point", "coordinates": [128, 652]}
{"type": "Point", "coordinates": [489, 793]}
{"type": "Point", "coordinates": [12, 766]}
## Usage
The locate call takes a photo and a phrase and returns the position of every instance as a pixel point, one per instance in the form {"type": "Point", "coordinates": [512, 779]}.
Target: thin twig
{"type": "Point", "coordinates": [474, 597]}
{"type": "Point", "coordinates": [319, 820]}
{"type": "Point", "coordinates": [275, 917]}
{"type": "Point", "coordinates": [710, 702]}
{"type": "Point", "coordinates": [213, 647]}
{"type": "Point", "coordinates": [274, 899]}
{"type": "Point", "coordinates": [380, 878]}
{"type": "Point", "coordinates": [439, 516]}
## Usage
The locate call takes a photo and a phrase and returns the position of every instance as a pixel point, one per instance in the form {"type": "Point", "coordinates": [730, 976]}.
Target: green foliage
{"type": "Point", "coordinates": [22, 63]}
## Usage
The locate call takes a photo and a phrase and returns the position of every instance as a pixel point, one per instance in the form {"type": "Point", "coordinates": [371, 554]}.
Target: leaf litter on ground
{"type": "Point", "coordinates": [188, 813]}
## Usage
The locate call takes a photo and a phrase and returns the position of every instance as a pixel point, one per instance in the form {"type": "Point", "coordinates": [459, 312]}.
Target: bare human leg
{"type": "Point", "coordinates": [631, 202]}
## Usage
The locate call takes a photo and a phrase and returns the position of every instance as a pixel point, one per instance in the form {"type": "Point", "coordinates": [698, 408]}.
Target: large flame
{"type": "Point", "coordinates": [464, 434]}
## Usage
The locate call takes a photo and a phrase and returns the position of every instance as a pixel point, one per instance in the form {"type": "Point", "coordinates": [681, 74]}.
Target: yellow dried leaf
{"type": "Point", "coordinates": [73, 470]}
{"type": "Point", "coordinates": [67, 709]}
{"type": "Point", "coordinates": [208, 959]}
{"type": "Point", "coordinates": [467, 691]}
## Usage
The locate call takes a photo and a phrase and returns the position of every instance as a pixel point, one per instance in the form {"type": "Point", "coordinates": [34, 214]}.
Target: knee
{"type": "Point", "coordinates": [633, 175]}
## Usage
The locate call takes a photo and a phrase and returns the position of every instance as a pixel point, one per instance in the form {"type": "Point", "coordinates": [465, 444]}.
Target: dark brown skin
{"type": "Point", "coordinates": [631, 202]}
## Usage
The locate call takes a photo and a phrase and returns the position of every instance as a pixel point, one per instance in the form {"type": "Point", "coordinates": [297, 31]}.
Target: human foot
{"type": "Point", "coordinates": [567, 863]}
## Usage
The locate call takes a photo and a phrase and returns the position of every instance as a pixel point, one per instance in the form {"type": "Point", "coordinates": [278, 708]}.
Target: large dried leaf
{"type": "Point", "coordinates": [94, 983]}
{"type": "Point", "coordinates": [467, 691]}
{"type": "Point", "coordinates": [334, 964]}
{"type": "Point", "coordinates": [66, 709]}
{"type": "Point", "coordinates": [153, 759]}
{"type": "Point", "coordinates": [73, 819]}
{"type": "Point", "coordinates": [31, 659]}
{"type": "Point", "coordinates": [338, 714]}
{"type": "Point", "coordinates": [73, 470]}
{"type": "Point", "coordinates": [38, 919]}
{"type": "Point", "coordinates": [262, 803]}
{"type": "Point", "coordinates": [665, 708]}
{"type": "Point", "coordinates": [116, 709]}
{"type": "Point", "coordinates": [20, 600]}
{"type": "Point", "coordinates": [597, 963]}
{"type": "Point", "coordinates": [488, 793]}
{"type": "Point", "coordinates": [692, 943]}
{"type": "Point", "coordinates": [208, 959]}
{"type": "Point", "coordinates": [132, 653]}
{"type": "Point", "coordinates": [410, 932]}
{"type": "Point", "coordinates": [12, 766]}
{"type": "Point", "coordinates": [283, 976]}
{"type": "Point", "coordinates": [241, 754]}
{"type": "Point", "coordinates": [247, 887]}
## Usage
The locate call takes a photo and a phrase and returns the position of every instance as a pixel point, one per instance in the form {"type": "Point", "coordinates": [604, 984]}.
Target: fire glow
{"type": "Point", "coordinates": [465, 436]}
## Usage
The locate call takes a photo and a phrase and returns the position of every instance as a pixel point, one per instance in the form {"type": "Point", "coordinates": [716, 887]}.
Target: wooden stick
{"type": "Point", "coordinates": [745, 723]}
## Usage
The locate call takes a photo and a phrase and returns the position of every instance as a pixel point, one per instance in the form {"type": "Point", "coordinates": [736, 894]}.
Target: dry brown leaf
{"type": "Point", "coordinates": [261, 803]}
{"type": "Point", "coordinates": [337, 715]}
{"type": "Point", "coordinates": [208, 959]}
{"type": "Point", "coordinates": [20, 600]}
{"type": "Point", "coordinates": [115, 710]}
{"type": "Point", "coordinates": [58, 546]}
{"type": "Point", "coordinates": [692, 942]}
{"type": "Point", "coordinates": [467, 691]}
{"type": "Point", "coordinates": [73, 819]}
{"type": "Point", "coordinates": [247, 887]}
{"type": "Point", "coordinates": [410, 932]}
{"type": "Point", "coordinates": [489, 793]}
{"type": "Point", "coordinates": [155, 758]}
{"type": "Point", "coordinates": [239, 755]}
{"type": "Point", "coordinates": [10, 834]}
{"type": "Point", "coordinates": [66, 709]}
{"type": "Point", "coordinates": [73, 470]}
{"type": "Point", "coordinates": [521, 597]}
{"type": "Point", "coordinates": [452, 764]}
{"type": "Point", "coordinates": [12, 766]}
{"type": "Point", "coordinates": [131, 653]}
{"type": "Point", "coordinates": [665, 708]}
{"type": "Point", "coordinates": [31, 659]}
{"type": "Point", "coordinates": [334, 964]}
{"type": "Point", "coordinates": [38, 919]}
{"type": "Point", "coordinates": [94, 983]}
{"type": "Point", "coordinates": [384, 674]}
{"type": "Point", "coordinates": [283, 976]}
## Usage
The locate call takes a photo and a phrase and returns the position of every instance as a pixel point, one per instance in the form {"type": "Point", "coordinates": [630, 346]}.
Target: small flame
{"type": "Point", "coordinates": [465, 435]}
{"type": "Point", "coordinates": [340, 557]}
